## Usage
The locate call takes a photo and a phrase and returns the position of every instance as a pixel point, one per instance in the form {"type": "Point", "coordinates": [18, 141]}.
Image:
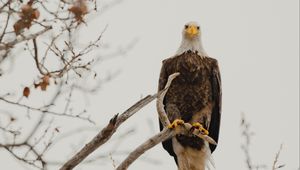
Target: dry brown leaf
{"type": "Point", "coordinates": [79, 9]}
{"type": "Point", "coordinates": [19, 26]}
{"type": "Point", "coordinates": [26, 92]}
{"type": "Point", "coordinates": [46, 79]}
{"type": "Point", "coordinates": [44, 83]}
{"type": "Point", "coordinates": [27, 15]}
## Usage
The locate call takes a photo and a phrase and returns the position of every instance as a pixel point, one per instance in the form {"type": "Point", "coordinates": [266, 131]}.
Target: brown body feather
{"type": "Point", "coordinates": [194, 96]}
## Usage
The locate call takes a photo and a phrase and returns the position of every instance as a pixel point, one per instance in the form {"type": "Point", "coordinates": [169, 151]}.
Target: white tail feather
{"type": "Point", "coordinates": [190, 158]}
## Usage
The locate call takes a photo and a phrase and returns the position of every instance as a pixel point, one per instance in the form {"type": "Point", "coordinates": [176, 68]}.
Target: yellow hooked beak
{"type": "Point", "coordinates": [192, 31]}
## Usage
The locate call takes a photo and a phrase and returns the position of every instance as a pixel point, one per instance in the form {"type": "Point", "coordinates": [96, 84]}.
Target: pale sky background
{"type": "Point", "coordinates": [257, 45]}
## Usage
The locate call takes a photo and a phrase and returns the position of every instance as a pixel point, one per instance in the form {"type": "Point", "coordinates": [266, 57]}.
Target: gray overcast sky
{"type": "Point", "coordinates": [257, 45]}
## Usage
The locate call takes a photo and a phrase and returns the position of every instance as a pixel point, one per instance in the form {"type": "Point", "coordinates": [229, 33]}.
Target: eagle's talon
{"type": "Point", "coordinates": [175, 123]}
{"type": "Point", "coordinates": [200, 127]}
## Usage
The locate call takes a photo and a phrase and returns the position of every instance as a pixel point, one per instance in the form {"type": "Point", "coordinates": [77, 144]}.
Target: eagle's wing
{"type": "Point", "coordinates": [214, 126]}
{"type": "Point", "coordinates": [163, 78]}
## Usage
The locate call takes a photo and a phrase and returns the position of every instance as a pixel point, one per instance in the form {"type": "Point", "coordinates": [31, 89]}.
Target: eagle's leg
{"type": "Point", "coordinates": [175, 123]}
{"type": "Point", "coordinates": [173, 115]}
{"type": "Point", "coordinates": [200, 127]}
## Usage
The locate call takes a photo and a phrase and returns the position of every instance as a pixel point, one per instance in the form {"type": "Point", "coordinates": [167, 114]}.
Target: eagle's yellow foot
{"type": "Point", "coordinates": [175, 123]}
{"type": "Point", "coordinates": [200, 128]}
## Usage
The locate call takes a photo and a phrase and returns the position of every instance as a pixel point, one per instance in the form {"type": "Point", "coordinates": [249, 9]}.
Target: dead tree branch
{"type": "Point", "coordinates": [162, 136]}
{"type": "Point", "coordinates": [46, 110]}
{"type": "Point", "coordinates": [105, 134]}
{"type": "Point", "coordinates": [247, 134]}
{"type": "Point", "coordinates": [115, 122]}
{"type": "Point", "coordinates": [166, 133]}
{"type": "Point", "coordinates": [11, 44]}
{"type": "Point", "coordinates": [275, 166]}
{"type": "Point", "coordinates": [159, 102]}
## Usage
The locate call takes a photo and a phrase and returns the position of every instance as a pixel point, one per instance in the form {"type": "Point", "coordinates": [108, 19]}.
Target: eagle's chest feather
{"type": "Point", "coordinates": [191, 91]}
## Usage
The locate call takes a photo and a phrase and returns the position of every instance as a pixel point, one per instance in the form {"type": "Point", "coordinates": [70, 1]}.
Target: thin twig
{"type": "Point", "coordinates": [5, 27]}
{"type": "Point", "coordinates": [247, 134]}
{"type": "Point", "coordinates": [46, 110]}
{"type": "Point", "coordinates": [275, 166]}
{"type": "Point", "coordinates": [36, 57]}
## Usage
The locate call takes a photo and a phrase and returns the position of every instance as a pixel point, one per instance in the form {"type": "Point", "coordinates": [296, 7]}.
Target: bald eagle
{"type": "Point", "coordinates": [194, 97]}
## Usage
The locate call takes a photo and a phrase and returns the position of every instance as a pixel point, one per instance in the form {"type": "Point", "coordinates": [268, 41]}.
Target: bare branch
{"type": "Point", "coordinates": [5, 27]}
{"type": "Point", "coordinates": [247, 134]}
{"type": "Point", "coordinates": [36, 58]}
{"type": "Point", "coordinates": [23, 38]}
{"type": "Point", "coordinates": [105, 134]}
{"type": "Point", "coordinates": [162, 136]}
{"type": "Point", "coordinates": [46, 111]}
{"type": "Point", "coordinates": [4, 5]}
{"type": "Point", "coordinates": [275, 166]}
{"type": "Point", "coordinates": [114, 123]}
{"type": "Point", "coordinates": [159, 102]}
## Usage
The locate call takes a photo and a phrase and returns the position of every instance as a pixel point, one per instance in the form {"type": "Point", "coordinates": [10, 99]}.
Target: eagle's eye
{"type": "Point", "coordinates": [186, 26]}
{"type": "Point", "coordinates": [198, 27]}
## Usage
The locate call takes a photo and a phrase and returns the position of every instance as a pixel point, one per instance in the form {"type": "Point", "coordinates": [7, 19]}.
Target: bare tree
{"type": "Point", "coordinates": [48, 32]}
{"type": "Point", "coordinates": [248, 134]}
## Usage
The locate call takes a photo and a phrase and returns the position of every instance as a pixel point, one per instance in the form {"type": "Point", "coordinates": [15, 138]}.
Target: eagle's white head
{"type": "Point", "coordinates": [191, 39]}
